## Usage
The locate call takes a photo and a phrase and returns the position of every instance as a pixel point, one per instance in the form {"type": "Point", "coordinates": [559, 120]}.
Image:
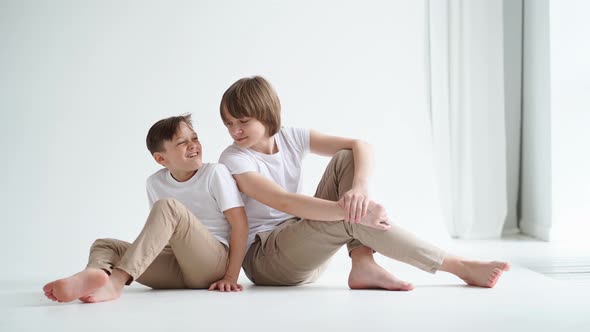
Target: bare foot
{"type": "Point", "coordinates": [366, 274]}
{"type": "Point", "coordinates": [111, 290]}
{"type": "Point", "coordinates": [108, 292]}
{"type": "Point", "coordinates": [482, 274]}
{"type": "Point", "coordinates": [78, 285]}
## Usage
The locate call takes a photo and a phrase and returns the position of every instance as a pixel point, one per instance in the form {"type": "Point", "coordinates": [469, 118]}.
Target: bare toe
{"type": "Point", "coordinates": [87, 299]}
{"type": "Point", "coordinates": [484, 274]}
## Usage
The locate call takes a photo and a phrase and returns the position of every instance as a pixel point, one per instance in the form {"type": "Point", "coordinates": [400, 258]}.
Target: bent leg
{"type": "Point", "coordinates": [174, 250]}
{"type": "Point", "coordinates": [194, 259]}
{"type": "Point", "coordinates": [395, 243]}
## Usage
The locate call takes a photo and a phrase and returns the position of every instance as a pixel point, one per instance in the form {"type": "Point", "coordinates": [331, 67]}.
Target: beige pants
{"type": "Point", "coordinates": [297, 251]}
{"type": "Point", "coordinates": [174, 250]}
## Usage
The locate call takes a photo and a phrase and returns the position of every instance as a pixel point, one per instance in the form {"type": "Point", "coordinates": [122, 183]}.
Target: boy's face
{"type": "Point", "coordinates": [246, 132]}
{"type": "Point", "coordinates": [183, 152]}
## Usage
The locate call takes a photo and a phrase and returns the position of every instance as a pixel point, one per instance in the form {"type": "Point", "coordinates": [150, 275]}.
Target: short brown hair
{"type": "Point", "coordinates": [253, 97]}
{"type": "Point", "coordinates": [164, 130]}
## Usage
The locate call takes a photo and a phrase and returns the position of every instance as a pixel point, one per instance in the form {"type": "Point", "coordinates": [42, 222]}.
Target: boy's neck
{"type": "Point", "coordinates": [266, 146]}
{"type": "Point", "coordinates": [182, 176]}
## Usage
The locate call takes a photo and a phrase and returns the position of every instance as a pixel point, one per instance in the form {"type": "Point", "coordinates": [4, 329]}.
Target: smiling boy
{"type": "Point", "coordinates": [194, 237]}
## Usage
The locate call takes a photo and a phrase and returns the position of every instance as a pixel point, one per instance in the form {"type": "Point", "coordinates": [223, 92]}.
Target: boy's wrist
{"type": "Point", "coordinates": [360, 185]}
{"type": "Point", "coordinates": [230, 277]}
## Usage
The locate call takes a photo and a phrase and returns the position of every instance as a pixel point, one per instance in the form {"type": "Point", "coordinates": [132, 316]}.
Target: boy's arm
{"type": "Point", "coordinates": [269, 193]}
{"type": "Point", "coordinates": [356, 200]}
{"type": "Point", "coordinates": [327, 145]}
{"type": "Point", "coordinates": [151, 195]}
{"type": "Point", "coordinates": [237, 250]}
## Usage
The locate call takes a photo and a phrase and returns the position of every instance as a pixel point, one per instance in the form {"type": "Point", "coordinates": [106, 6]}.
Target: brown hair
{"type": "Point", "coordinates": [164, 130]}
{"type": "Point", "coordinates": [253, 97]}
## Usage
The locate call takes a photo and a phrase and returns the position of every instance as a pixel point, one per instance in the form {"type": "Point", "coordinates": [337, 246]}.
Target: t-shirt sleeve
{"type": "Point", "coordinates": [224, 189]}
{"type": "Point", "coordinates": [237, 162]}
{"type": "Point", "coordinates": [151, 194]}
{"type": "Point", "coordinates": [300, 138]}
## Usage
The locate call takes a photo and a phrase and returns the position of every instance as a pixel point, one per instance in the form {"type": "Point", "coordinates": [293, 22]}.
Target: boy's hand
{"type": "Point", "coordinates": [376, 217]}
{"type": "Point", "coordinates": [227, 284]}
{"type": "Point", "coordinates": [356, 204]}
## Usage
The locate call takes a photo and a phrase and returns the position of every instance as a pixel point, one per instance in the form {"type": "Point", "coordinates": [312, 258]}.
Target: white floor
{"type": "Point", "coordinates": [524, 300]}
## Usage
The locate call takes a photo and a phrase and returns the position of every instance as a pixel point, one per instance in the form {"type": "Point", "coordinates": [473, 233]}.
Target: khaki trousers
{"type": "Point", "coordinates": [174, 250]}
{"type": "Point", "coordinates": [297, 251]}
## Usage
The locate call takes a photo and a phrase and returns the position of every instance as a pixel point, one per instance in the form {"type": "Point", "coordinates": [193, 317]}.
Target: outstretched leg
{"type": "Point", "coordinates": [366, 273]}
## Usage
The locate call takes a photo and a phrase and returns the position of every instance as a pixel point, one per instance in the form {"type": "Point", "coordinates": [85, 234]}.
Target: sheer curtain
{"type": "Point", "coordinates": [469, 116]}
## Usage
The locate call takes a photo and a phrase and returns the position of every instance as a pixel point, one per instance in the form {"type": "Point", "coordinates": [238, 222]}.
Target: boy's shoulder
{"type": "Point", "coordinates": [296, 137]}
{"type": "Point", "coordinates": [233, 149]}
{"type": "Point", "coordinates": [293, 131]}
{"type": "Point", "coordinates": [217, 168]}
{"type": "Point", "coordinates": [161, 178]}
{"type": "Point", "coordinates": [158, 175]}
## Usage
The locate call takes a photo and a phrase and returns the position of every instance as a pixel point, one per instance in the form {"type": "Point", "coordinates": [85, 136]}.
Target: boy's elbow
{"type": "Point", "coordinates": [360, 143]}
{"type": "Point", "coordinates": [239, 223]}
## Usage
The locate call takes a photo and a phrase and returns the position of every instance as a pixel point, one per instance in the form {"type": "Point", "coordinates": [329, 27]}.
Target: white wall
{"type": "Point", "coordinates": [535, 198]}
{"type": "Point", "coordinates": [476, 112]}
{"type": "Point", "coordinates": [82, 81]}
{"type": "Point", "coordinates": [556, 162]}
{"type": "Point", "coordinates": [570, 119]}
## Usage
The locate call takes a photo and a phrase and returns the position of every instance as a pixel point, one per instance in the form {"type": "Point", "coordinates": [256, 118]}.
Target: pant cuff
{"type": "Point", "coordinates": [355, 245]}
{"type": "Point", "coordinates": [132, 276]}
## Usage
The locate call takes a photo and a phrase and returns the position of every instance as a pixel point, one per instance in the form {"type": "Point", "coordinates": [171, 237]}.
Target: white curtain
{"type": "Point", "coordinates": [466, 58]}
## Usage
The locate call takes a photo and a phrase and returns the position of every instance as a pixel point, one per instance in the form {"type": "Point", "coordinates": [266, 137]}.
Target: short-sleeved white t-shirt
{"type": "Point", "coordinates": [207, 194]}
{"type": "Point", "coordinates": [283, 167]}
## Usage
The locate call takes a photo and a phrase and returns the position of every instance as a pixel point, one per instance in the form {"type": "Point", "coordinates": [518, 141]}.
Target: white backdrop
{"type": "Point", "coordinates": [570, 117]}
{"type": "Point", "coordinates": [469, 116]}
{"type": "Point", "coordinates": [82, 81]}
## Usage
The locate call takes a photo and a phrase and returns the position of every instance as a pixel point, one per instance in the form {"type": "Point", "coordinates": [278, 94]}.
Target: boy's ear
{"type": "Point", "coordinates": [159, 158]}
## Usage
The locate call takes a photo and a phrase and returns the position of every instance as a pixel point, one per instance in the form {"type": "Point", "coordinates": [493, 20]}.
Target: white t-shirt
{"type": "Point", "coordinates": [207, 194]}
{"type": "Point", "coordinates": [283, 167]}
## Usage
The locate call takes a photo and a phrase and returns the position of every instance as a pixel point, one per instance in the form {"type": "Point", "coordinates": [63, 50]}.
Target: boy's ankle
{"type": "Point", "coordinates": [120, 277]}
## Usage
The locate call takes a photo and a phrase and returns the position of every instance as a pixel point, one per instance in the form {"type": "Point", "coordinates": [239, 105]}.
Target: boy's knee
{"type": "Point", "coordinates": [344, 154]}
{"type": "Point", "coordinates": [102, 243]}
{"type": "Point", "coordinates": [166, 204]}
{"type": "Point", "coordinates": [106, 243]}
{"type": "Point", "coordinates": [343, 159]}
{"type": "Point", "coordinates": [173, 209]}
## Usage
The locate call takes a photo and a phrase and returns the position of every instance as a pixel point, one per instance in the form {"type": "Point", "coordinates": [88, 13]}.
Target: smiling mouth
{"type": "Point", "coordinates": [193, 155]}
